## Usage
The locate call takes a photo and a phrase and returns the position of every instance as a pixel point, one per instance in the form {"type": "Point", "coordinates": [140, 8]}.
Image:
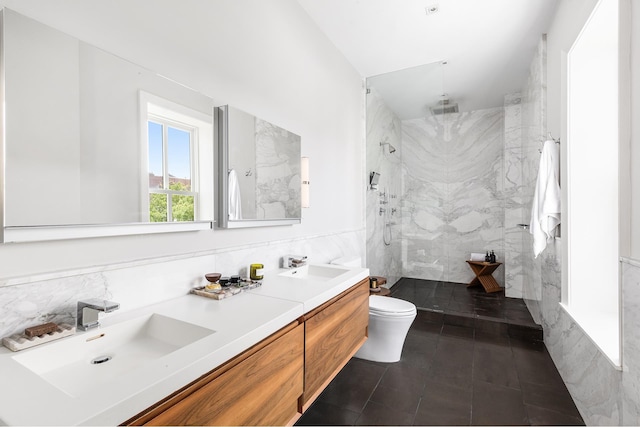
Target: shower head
{"type": "Point", "coordinates": [444, 107]}
{"type": "Point", "coordinates": [392, 149]}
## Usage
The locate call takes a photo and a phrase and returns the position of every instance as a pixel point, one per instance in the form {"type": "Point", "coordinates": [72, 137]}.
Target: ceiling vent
{"type": "Point", "coordinates": [444, 107]}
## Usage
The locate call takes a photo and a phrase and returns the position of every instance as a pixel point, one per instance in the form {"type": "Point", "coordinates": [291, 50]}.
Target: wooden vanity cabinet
{"type": "Point", "coordinates": [261, 386]}
{"type": "Point", "coordinates": [333, 333]}
{"type": "Point", "coordinates": [276, 380]}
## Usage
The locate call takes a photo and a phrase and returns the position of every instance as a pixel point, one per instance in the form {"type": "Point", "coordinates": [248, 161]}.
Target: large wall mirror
{"type": "Point", "coordinates": [259, 172]}
{"type": "Point", "coordinates": [96, 145]}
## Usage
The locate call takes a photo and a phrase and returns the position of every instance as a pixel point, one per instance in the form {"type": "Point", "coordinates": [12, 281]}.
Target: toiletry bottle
{"type": "Point", "coordinates": [492, 257]}
{"type": "Point", "coordinates": [487, 257]}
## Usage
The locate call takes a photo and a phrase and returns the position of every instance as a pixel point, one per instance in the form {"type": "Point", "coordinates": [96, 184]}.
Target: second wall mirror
{"type": "Point", "coordinates": [259, 181]}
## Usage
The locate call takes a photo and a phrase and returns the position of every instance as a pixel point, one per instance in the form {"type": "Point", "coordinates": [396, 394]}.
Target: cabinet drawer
{"type": "Point", "coordinates": [261, 389]}
{"type": "Point", "coordinates": [333, 333]}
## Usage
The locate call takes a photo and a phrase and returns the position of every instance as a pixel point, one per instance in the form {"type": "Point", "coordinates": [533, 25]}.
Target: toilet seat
{"type": "Point", "coordinates": [390, 307]}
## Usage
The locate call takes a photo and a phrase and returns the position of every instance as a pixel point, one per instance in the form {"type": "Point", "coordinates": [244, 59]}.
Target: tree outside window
{"type": "Point", "coordinates": [172, 187]}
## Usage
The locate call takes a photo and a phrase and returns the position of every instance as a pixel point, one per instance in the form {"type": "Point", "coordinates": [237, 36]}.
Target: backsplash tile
{"type": "Point", "coordinates": [52, 297]}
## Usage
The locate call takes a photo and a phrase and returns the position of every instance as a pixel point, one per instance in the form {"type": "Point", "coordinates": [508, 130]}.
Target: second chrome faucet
{"type": "Point", "coordinates": [294, 261]}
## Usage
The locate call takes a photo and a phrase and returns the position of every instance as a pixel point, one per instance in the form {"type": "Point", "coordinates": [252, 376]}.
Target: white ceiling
{"type": "Point", "coordinates": [488, 46]}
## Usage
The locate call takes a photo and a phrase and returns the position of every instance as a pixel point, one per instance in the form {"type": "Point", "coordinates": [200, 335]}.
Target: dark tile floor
{"type": "Point", "coordinates": [469, 372]}
{"type": "Point", "coordinates": [471, 307]}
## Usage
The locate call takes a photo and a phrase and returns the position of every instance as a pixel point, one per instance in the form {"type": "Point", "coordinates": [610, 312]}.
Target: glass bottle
{"type": "Point", "coordinates": [256, 271]}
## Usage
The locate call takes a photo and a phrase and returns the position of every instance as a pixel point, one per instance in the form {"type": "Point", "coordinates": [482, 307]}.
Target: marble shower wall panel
{"type": "Point", "coordinates": [453, 201]}
{"type": "Point", "coordinates": [534, 126]}
{"type": "Point", "coordinates": [29, 301]}
{"type": "Point", "coordinates": [384, 259]}
{"type": "Point", "coordinates": [476, 192]}
{"type": "Point", "coordinates": [513, 206]}
{"type": "Point", "coordinates": [532, 280]}
{"type": "Point", "coordinates": [423, 200]}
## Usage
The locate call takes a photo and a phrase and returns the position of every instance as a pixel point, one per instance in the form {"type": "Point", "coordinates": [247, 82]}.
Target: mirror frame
{"type": "Point", "coordinates": [222, 142]}
{"type": "Point", "coordinates": [16, 234]}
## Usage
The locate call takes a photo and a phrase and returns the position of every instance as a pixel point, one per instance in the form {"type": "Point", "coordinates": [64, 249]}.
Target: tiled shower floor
{"type": "Point", "coordinates": [456, 369]}
{"type": "Point", "coordinates": [471, 307]}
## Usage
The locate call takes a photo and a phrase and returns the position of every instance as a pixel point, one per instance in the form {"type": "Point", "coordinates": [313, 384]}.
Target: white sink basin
{"type": "Point", "coordinates": [83, 362]}
{"type": "Point", "coordinates": [315, 272]}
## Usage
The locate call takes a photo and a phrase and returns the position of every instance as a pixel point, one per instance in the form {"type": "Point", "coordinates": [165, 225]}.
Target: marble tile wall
{"type": "Point", "coordinates": [603, 394]}
{"type": "Point", "coordinates": [29, 301]}
{"type": "Point", "coordinates": [534, 130]}
{"type": "Point", "coordinates": [595, 385]}
{"type": "Point", "coordinates": [453, 196]}
{"type": "Point", "coordinates": [513, 200]}
{"type": "Point", "coordinates": [631, 342]}
{"type": "Point", "coordinates": [384, 236]}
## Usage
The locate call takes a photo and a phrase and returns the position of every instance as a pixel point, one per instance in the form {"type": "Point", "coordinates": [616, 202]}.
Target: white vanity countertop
{"type": "Point", "coordinates": [239, 322]}
{"type": "Point", "coordinates": [311, 292]}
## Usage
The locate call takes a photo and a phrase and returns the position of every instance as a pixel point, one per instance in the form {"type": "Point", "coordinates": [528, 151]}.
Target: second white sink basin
{"type": "Point", "coordinates": [315, 272]}
{"type": "Point", "coordinates": [84, 362]}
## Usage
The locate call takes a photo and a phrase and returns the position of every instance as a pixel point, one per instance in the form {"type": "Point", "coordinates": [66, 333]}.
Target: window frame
{"type": "Point", "coordinates": [166, 123]}
{"type": "Point", "coordinates": [181, 117]}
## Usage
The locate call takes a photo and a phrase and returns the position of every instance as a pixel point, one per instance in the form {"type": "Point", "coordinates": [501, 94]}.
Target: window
{"type": "Point", "coordinates": [176, 161]}
{"type": "Point", "coordinates": [173, 189]}
{"type": "Point", "coordinates": [591, 294]}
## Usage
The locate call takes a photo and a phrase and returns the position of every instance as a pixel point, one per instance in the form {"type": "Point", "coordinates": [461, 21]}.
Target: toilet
{"type": "Point", "coordinates": [389, 323]}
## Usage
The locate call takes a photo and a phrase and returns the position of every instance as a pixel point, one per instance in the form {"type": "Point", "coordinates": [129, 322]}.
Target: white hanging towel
{"type": "Point", "coordinates": [545, 211]}
{"type": "Point", "coordinates": [235, 202]}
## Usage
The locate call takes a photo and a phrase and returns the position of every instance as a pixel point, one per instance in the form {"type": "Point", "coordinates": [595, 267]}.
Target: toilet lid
{"type": "Point", "coordinates": [390, 305]}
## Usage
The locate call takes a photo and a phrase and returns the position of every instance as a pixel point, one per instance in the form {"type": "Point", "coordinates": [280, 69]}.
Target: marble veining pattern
{"type": "Point", "coordinates": [595, 385]}
{"type": "Point", "coordinates": [631, 343]}
{"type": "Point", "coordinates": [434, 226]}
{"type": "Point", "coordinates": [534, 130]}
{"type": "Point", "coordinates": [593, 382]}
{"type": "Point", "coordinates": [513, 203]}
{"type": "Point", "coordinates": [277, 172]}
{"type": "Point", "coordinates": [384, 216]}
{"type": "Point", "coordinates": [452, 203]}
{"type": "Point", "coordinates": [53, 297]}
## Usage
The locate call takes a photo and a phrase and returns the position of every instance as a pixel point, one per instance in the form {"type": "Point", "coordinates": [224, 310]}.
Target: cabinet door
{"type": "Point", "coordinates": [262, 389]}
{"type": "Point", "coordinates": [333, 333]}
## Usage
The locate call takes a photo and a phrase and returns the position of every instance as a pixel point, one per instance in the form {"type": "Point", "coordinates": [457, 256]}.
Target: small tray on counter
{"type": "Point", "coordinates": [23, 341]}
{"type": "Point", "coordinates": [225, 292]}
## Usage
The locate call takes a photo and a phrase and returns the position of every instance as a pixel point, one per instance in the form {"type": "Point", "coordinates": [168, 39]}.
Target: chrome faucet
{"type": "Point", "coordinates": [88, 311]}
{"type": "Point", "coordinates": [294, 261]}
